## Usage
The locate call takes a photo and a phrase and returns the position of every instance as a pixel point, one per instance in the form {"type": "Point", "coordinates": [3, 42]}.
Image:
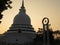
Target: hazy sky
{"type": "Point", "coordinates": [36, 10]}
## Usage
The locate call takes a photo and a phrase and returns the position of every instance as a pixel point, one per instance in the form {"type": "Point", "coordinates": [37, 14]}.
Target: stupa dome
{"type": "Point", "coordinates": [22, 21]}
{"type": "Point", "coordinates": [22, 18]}
{"type": "Point", "coordinates": [21, 31]}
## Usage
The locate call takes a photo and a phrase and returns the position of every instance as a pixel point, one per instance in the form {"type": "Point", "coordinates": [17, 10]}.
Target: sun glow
{"type": "Point", "coordinates": [36, 10]}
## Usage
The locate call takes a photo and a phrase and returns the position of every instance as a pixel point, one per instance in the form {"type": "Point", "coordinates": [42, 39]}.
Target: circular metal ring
{"type": "Point", "coordinates": [45, 20]}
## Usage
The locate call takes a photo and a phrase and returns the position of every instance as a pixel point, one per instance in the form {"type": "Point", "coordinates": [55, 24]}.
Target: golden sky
{"type": "Point", "coordinates": [36, 10]}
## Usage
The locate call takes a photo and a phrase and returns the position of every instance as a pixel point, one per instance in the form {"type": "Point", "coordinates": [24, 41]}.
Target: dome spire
{"type": "Point", "coordinates": [22, 10]}
{"type": "Point", "coordinates": [22, 4]}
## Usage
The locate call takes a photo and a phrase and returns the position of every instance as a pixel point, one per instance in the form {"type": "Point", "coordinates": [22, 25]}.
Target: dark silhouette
{"type": "Point", "coordinates": [22, 21]}
{"type": "Point", "coordinates": [57, 39]}
{"type": "Point", "coordinates": [4, 4]}
{"type": "Point", "coordinates": [44, 36]}
{"type": "Point", "coordinates": [39, 39]}
{"type": "Point", "coordinates": [57, 32]}
{"type": "Point", "coordinates": [22, 33]}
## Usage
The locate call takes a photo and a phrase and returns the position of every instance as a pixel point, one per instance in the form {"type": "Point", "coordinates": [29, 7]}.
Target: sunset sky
{"type": "Point", "coordinates": [36, 10]}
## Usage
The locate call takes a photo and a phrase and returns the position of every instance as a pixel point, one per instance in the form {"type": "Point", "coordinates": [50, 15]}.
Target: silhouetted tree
{"type": "Point", "coordinates": [57, 39]}
{"type": "Point", "coordinates": [4, 4]}
{"type": "Point", "coordinates": [38, 40]}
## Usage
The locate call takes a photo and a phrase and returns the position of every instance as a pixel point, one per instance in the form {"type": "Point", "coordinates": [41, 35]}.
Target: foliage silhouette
{"type": "Point", "coordinates": [4, 4]}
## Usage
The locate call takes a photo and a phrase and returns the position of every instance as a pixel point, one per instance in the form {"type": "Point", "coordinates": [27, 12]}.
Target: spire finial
{"type": "Point", "coordinates": [22, 7]}
{"type": "Point", "coordinates": [22, 3]}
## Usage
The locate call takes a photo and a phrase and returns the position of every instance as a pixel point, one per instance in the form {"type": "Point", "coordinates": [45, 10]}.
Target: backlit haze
{"type": "Point", "coordinates": [36, 10]}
